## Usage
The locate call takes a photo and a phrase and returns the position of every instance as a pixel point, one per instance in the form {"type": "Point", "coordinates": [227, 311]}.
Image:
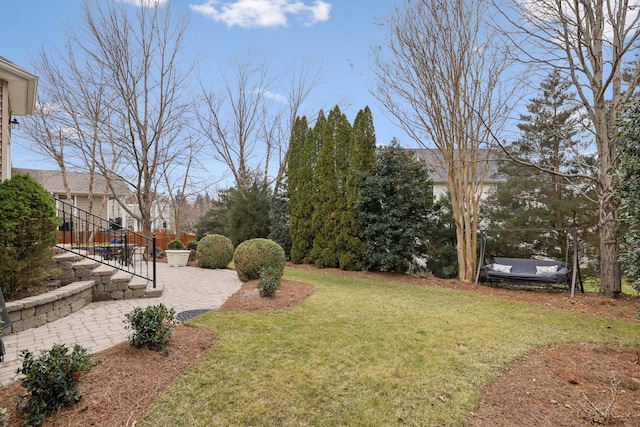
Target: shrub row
{"type": "Point", "coordinates": [261, 259]}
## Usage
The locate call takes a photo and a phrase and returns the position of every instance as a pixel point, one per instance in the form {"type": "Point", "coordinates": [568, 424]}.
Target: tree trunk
{"type": "Point", "coordinates": [610, 275]}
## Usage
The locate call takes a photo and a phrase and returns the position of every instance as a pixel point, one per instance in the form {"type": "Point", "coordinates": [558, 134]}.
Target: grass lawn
{"type": "Point", "coordinates": [363, 352]}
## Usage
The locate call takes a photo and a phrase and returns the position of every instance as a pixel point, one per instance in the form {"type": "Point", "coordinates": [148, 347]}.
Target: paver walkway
{"type": "Point", "coordinates": [100, 325]}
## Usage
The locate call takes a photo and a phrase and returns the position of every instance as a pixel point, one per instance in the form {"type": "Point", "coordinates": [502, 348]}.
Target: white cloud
{"type": "Point", "coordinates": [263, 13]}
{"type": "Point", "coordinates": [145, 3]}
{"type": "Point", "coordinates": [274, 96]}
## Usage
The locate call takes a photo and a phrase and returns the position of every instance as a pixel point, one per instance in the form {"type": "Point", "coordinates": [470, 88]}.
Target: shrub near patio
{"type": "Point", "coordinates": [255, 255]}
{"type": "Point", "coordinates": [175, 245]}
{"type": "Point", "coordinates": [51, 380]}
{"type": "Point", "coordinates": [27, 234]}
{"type": "Point", "coordinates": [214, 251]}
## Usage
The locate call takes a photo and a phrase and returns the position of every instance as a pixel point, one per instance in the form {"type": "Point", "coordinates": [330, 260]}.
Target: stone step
{"type": "Point", "coordinates": [104, 270]}
{"type": "Point", "coordinates": [85, 263]}
{"type": "Point", "coordinates": [66, 257]}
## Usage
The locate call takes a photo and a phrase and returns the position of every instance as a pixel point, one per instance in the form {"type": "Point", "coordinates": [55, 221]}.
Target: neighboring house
{"type": "Point", "coordinates": [433, 160]}
{"type": "Point", "coordinates": [17, 98]}
{"type": "Point", "coordinates": [105, 205]}
{"type": "Point", "coordinates": [161, 217]}
{"type": "Point", "coordinates": [78, 182]}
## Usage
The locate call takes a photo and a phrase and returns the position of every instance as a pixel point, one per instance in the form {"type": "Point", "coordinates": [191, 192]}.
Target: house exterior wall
{"type": "Point", "coordinates": [5, 158]}
{"type": "Point", "coordinates": [160, 215]}
{"type": "Point", "coordinates": [441, 189]}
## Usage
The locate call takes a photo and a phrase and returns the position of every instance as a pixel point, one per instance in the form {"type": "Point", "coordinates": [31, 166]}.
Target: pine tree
{"type": "Point", "coordinates": [362, 153]}
{"type": "Point", "coordinates": [531, 198]}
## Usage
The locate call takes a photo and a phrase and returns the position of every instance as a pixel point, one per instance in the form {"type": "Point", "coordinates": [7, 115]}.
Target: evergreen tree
{"type": "Point", "coordinates": [531, 198]}
{"type": "Point", "coordinates": [395, 209]}
{"type": "Point", "coordinates": [440, 247]}
{"type": "Point", "coordinates": [279, 217]}
{"type": "Point", "coordinates": [362, 153]}
{"type": "Point", "coordinates": [214, 219]}
{"type": "Point", "coordinates": [301, 188]}
{"type": "Point", "coordinates": [28, 233]}
{"type": "Point", "coordinates": [629, 191]}
{"type": "Point", "coordinates": [330, 177]}
{"type": "Point", "coordinates": [248, 214]}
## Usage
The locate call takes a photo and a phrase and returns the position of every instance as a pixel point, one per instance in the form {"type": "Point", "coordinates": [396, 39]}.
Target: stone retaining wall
{"type": "Point", "coordinates": [38, 310]}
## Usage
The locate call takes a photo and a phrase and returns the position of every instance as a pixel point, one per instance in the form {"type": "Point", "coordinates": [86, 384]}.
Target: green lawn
{"type": "Point", "coordinates": [364, 352]}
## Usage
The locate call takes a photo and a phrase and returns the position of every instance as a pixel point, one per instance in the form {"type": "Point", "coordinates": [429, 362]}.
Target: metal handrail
{"type": "Point", "coordinates": [91, 236]}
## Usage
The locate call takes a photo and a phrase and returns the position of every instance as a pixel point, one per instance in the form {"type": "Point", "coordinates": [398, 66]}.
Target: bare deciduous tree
{"type": "Point", "coordinates": [81, 109]}
{"type": "Point", "coordinates": [131, 55]}
{"type": "Point", "coordinates": [45, 130]}
{"type": "Point", "coordinates": [249, 124]}
{"type": "Point", "coordinates": [593, 42]}
{"type": "Point", "coordinates": [441, 82]}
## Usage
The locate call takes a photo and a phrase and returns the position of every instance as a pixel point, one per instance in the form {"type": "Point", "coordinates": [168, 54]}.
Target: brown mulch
{"type": "Point", "coordinates": [118, 391]}
{"type": "Point", "coordinates": [578, 384]}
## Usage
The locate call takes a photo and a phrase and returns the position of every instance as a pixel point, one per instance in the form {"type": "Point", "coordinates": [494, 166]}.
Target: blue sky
{"type": "Point", "coordinates": [335, 34]}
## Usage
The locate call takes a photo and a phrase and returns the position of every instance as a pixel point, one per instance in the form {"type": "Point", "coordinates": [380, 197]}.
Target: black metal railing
{"type": "Point", "coordinates": [105, 241]}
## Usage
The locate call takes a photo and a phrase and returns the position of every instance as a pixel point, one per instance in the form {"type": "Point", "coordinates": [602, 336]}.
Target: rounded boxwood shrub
{"type": "Point", "coordinates": [255, 255]}
{"type": "Point", "coordinates": [214, 251]}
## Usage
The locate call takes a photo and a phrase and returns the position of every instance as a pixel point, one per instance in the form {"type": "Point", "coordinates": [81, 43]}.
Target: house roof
{"type": "Point", "coordinates": [434, 161]}
{"type": "Point", "coordinates": [22, 87]}
{"type": "Point", "coordinates": [78, 182]}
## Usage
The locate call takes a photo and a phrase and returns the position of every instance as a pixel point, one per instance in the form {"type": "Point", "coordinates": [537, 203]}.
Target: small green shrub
{"type": "Point", "coordinates": [269, 282]}
{"type": "Point", "coordinates": [254, 255]}
{"type": "Point", "coordinates": [175, 245]}
{"type": "Point", "coordinates": [214, 251]}
{"type": "Point", "coordinates": [193, 247]}
{"type": "Point", "coordinates": [51, 380]}
{"type": "Point", "coordinates": [151, 326]}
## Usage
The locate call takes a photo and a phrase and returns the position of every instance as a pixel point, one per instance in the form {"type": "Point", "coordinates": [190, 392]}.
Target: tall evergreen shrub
{"type": "Point", "coordinates": [28, 233]}
{"type": "Point", "coordinates": [301, 186]}
{"type": "Point", "coordinates": [395, 205]}
{"type": "Point", "coordinates": [361, 156]}
{"type": "Point", "coordinates": [329, 201]}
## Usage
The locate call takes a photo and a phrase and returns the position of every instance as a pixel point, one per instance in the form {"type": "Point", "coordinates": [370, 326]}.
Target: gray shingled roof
{"type": "Point", "coordinates": [78, 182]}
{"type": "Point", "coordinates": [432, 158]}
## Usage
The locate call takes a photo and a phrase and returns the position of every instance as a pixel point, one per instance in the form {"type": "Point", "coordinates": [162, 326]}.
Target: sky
{"type": "Point", "coordinates": [336, 35]}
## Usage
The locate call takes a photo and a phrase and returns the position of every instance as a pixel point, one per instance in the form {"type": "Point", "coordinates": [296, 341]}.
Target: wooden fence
{"type": "Point", "coordinates": [90, 238]}
{"type": "Point", "coordinates": [163, 238]}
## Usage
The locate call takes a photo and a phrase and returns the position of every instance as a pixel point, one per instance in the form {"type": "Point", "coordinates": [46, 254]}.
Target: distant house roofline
{"type": "Point", "coordinates": [78, 182]}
